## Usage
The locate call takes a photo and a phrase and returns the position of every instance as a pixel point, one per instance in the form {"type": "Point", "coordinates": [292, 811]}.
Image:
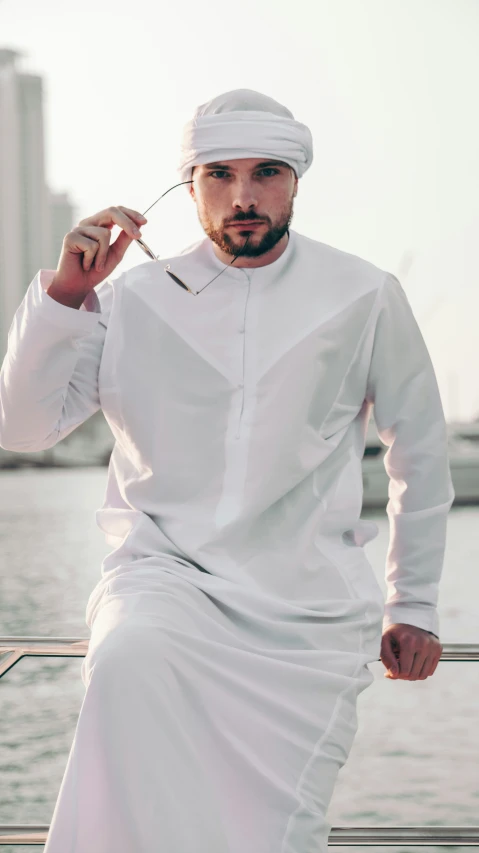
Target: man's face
{"type": "Point", "coordinates": [235, 191]}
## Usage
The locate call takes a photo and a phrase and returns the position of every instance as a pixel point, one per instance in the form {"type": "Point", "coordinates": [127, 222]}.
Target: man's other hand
{"type": "Point", "coordinates": [408, 652]}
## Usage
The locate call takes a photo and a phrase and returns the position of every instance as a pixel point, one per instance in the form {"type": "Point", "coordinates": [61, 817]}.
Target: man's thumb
{"type": "Point", "coordinates": [388, 657]}
{"type": "Point", "coordinates": [119, 247]}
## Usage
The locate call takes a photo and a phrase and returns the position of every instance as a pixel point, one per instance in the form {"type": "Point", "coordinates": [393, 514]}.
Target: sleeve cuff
{"type": "Point", "coordinates": [395, 614]}
{"type": "Point", "coordinates": [83, 319]}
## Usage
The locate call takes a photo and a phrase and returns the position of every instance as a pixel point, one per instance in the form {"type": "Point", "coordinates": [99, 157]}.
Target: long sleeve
{"type": "Point", "coordinates": [49, 376]}
{"type": "Point", "coordinates": [410, 421]}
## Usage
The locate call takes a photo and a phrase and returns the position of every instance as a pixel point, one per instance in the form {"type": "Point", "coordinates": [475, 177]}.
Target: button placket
{"type": "Point", "coordinates": [243, 333]}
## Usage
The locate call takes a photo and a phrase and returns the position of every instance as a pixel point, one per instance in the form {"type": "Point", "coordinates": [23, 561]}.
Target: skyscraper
{"type": "Point", "coordinates": [29, 213]}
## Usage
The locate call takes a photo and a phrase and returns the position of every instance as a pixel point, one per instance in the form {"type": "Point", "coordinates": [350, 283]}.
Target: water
{"type": "Point", "coordinates": [415, 757]}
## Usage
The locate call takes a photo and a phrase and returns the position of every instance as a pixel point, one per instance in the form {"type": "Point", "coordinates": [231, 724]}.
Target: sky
{"type": "Point", "coordinates": [388, 90]}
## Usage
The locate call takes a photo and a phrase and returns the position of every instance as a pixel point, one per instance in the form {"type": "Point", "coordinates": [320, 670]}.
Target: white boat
{"type": "Point", "coordinates": [463, 459]}
{"type": "Point", "coordinates": [465, 429]}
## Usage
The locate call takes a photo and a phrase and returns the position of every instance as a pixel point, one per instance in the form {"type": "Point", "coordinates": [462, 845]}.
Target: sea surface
{"type": "Point", "coordinates": [415, 759]}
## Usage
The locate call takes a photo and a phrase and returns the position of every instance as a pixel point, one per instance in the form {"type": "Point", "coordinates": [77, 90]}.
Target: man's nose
{"type": "Point", "coordinates": [244, 196]}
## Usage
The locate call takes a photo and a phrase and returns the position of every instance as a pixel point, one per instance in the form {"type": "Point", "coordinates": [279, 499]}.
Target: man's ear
{"type": "Point", "coordinates": [296, 179]}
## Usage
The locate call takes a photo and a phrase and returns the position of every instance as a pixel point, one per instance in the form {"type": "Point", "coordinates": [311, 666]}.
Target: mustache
{"type": "Point", "coordinates": [247, 219]}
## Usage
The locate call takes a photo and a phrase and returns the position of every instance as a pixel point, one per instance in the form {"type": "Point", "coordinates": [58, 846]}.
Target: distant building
{"type": "Point", "coordinates": [61, 217]}
{"type": "Point", "coordinates": [31, 217]}
{"type": "Point", "coordinates": [11, 212]}
{"type": "Point", "coordinates": [33, 224]}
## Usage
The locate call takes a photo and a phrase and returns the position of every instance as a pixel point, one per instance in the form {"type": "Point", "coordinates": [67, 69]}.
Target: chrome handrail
{"type": "Point", "coordinates": [15, 648]}
{"type": "Point", "coordinates": [347, 836]}
{"type": "Point", "coordinates": [12, 649]}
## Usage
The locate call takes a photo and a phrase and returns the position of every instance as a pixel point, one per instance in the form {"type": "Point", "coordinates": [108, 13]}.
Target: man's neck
{"type": "Point", "coordinates": [261, 261]}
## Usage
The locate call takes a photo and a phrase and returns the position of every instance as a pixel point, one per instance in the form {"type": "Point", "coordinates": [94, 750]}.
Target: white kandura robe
{"type": "Point", "coordinates": [236, 615]}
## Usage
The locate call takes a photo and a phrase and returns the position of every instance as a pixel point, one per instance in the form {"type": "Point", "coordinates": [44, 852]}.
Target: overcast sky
{"type": "Point", "coordinates": [388, 89]}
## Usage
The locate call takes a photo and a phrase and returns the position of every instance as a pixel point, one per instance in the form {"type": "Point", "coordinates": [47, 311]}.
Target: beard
{"type": "Point", "coordinates": [251, 245]}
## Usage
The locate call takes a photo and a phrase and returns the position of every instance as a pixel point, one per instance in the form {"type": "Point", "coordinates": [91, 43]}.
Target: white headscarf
{"type": "Point", "coordinates": [244, 123]}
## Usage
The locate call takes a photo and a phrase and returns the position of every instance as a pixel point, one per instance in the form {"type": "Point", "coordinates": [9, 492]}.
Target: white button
{"type": "Point", "coordinates": [241, 385]}
{"type": "Point", "coordinates": [241, 330]}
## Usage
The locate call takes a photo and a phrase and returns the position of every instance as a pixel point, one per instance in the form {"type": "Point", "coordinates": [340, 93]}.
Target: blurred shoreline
{"type": "Point", "coordinates": [91, 445]}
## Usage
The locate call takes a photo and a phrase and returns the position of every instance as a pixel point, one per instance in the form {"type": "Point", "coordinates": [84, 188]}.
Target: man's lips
{"type": "Point", "coordinates": [240, 224]}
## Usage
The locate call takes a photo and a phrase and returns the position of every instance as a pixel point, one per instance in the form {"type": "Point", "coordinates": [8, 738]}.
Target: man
{"type": "Point", "coordinates": [237, 613]}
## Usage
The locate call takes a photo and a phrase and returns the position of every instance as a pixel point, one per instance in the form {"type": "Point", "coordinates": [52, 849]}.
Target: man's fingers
{"type": "Point", "coordinates": [98, 252]}
{"type": "Point", "coordinates": [392, 665]}
{"type": "Point", "coordinates": [407, 654]}
{"type": "Point", "coordinates": [435, 660]}
{"type": "Point", "coordinates": [127, 219]}
{"type": "Point", "coordinates": [134, 214]}
{"type": "Point", "coordinates": [119, 247]}
{"type": "Point", "coordinates": [425, 669]}
{"type": "Point", "coordinates": [420, 661]}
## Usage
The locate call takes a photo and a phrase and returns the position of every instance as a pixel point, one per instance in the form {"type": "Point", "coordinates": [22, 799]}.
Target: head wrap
{"type": "Point", "coordinates": [244, 123]}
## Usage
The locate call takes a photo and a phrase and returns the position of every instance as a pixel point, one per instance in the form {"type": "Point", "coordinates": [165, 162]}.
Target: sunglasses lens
{"type": "Point", "coordinates": [146, 250]}
{"type": "Point", "coordinates": [177, 280]}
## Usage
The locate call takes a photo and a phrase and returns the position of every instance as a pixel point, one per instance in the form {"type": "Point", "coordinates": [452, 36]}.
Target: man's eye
{"type": "Point", "coordinates": [266, 169]}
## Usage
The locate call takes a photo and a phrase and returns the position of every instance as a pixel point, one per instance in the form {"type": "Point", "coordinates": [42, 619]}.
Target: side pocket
{"type": "Point", "coordinates": [340, 490]}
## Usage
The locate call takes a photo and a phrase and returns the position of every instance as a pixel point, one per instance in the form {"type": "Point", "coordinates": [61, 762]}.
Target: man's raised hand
{"type": "Point", "coordinates": [87, 257]}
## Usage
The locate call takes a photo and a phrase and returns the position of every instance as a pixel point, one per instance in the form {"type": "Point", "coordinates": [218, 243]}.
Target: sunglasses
{"type": "Point", "coordinates": [167, 269]}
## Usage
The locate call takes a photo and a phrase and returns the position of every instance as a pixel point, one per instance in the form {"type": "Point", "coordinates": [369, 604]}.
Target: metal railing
{"type": "Point", "coordinates": [13, 649]}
